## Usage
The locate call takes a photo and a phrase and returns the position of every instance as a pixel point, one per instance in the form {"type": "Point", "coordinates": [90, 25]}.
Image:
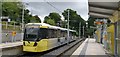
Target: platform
{"type": "Point", "coordinates": [90, 47]}
{"type": "Point", "coordinates": [10, 44]}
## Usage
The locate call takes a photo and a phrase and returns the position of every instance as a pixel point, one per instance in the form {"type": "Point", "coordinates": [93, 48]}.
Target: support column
{"type": "Point", "coordinates": [80, 30]}
{"type": "Point", "coordinates": [68, 29]}
{"type": "Point", "coordinates": [118, 30]}
{"type": "Point", "coordinates": [0, 26]}
{"type": "Point", "coordinates": [115, 39]}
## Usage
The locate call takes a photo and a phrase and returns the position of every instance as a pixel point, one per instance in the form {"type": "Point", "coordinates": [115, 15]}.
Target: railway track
{"type": "Point", "coordinates": [71, 50]}
{"type": "Point", "coordinates": [62, 51]}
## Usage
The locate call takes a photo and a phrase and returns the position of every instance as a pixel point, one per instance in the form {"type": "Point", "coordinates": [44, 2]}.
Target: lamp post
{"type": "Point", "coordinates": [83, 31]}
{"type": "Point", "coordinates": [86, 27]}
{"type": "Point", "coordinates": [68, 28]}
{"type": "Point", "coordinates": [0, 25]}
{"type": "Point", "coordinates": [23, 17]}
{"type": "Point", "coordinates": [23, 8]}
{"type": "Point", "coordinates": [79, 29]}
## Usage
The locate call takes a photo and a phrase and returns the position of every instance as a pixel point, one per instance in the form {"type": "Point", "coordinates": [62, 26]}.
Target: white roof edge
{"type": "Point", "coordinates": [50, 26]}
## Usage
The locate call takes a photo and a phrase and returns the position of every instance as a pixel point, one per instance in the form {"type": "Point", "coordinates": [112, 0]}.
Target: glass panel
{"type": "Point", "coordinates": [118, 40]}
{"type": "Point", "coordinates": [43, 33]}
{"type": "Point", "coordinates": [35, 34]}
{"type": "Point", "coordinates": [31, 34]}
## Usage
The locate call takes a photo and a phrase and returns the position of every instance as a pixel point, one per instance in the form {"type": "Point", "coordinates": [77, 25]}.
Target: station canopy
{"type": "Point", "coordinates": [102, 8]}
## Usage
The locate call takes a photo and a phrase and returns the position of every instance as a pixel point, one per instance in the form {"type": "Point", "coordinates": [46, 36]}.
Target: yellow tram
{"type": "Point", "coordinates": [39, 37]}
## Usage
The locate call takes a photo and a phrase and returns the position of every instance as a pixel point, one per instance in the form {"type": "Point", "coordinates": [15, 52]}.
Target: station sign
{"type": "Point", "coordinates": [99, 22]}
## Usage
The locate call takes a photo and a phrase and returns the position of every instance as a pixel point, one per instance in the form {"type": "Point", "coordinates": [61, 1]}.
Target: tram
{"type": "Point", "coordinates": [39, 37]}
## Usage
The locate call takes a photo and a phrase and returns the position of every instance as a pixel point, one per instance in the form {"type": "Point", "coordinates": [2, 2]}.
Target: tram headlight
{"type": "Point", "coordinates": [35, 44]}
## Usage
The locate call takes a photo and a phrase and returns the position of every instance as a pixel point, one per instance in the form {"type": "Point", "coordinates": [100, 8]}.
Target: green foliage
{"type": "Point", "coordinates": [46, 18]}
{"type": "Point", "coordinates": [14, 11]}
{"type": "Point", "coordinates": [55, 16]}
{"type": "Point", "coordinates": [91, 21]}
{"type": "Point", "coordinates": [51, 21]}
{"type": "Point", "coordinates": [74, 18]}
{"type": "Point", "coordinates": [11, 9]}
{"type": "Point", "coordinates": [34, 19]}
{"type": "Point", "coordinates": [90, 30]}
{"type": "Point", "coordinates": [12, 22]}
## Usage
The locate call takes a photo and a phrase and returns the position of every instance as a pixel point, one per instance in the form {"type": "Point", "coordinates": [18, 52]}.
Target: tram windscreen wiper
{"type": "Point", "coordinates": [32, 30]}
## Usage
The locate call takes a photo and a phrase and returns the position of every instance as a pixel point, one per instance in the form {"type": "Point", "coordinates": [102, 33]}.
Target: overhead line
{"type": "Point", "coordinates": [53, 6]}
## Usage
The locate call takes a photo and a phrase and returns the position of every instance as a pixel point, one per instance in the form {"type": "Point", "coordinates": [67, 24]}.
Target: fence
{"type": "Point", "coordinates": [7, 30]}
{"type": "Point", "coordinates": [7, 26]}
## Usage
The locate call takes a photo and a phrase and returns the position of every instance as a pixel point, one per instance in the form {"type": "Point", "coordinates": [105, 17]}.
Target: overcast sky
{"type": "Point", "coordinates": [43, 9]}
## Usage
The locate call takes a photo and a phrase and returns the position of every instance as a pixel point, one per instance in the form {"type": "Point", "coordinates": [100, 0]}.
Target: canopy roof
{"type": "Point", "coordinates": [102, 8]}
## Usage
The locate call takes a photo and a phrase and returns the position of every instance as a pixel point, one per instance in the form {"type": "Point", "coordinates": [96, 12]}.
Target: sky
{"type": "Point", "coordinates": [43, 9]}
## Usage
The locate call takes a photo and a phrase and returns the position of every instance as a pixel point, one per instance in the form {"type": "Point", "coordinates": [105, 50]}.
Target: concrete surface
{"type": "Point", "coordinates": [14, 48]}
{"type": "Point", "coordinates": [90, 47]}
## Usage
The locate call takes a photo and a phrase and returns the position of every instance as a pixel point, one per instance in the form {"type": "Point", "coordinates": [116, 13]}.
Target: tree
{"type": "Point", "coordinates": [90, 30]}
{"type": "Point", "coordinates": [48, 20]}
{"type": "Point", "coordinates": [11, 9]}
{"type": "Point", "coordinates": [51, 21]}
{"type": "Point", "coordinates": [91, 21]}
{"type": "Point", "coordinates": [14, 11]}
{"type": "Point", "coordinates": [55, 16]}
{"type": "Point", "coordinates": [74, 18]}
{"type": "Point", "coordinates": [37, 19]}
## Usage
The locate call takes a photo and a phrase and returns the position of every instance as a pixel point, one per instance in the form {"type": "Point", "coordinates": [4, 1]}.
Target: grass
{"type": "Point", "coordinates": [10, 28]}
{"type": "Point", "coordinates": [3, 22]}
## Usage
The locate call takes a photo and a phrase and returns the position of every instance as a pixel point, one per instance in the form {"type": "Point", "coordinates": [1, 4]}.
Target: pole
{"type": "Point", "coordinates": [115, 39]}
{"type": "Point", "coordinates": [83, 31]}
{"type": "Point", "coordinates": [68, 27]}
{"type": "Point", "coordinates": [23, 18]}
{"type": "Point", "coordinates": [79, 29]}
{"type": "Point", "coordinates": [14, 25]}
{"type": "Point", "coordinates": [0, 26]}
{"type": "Point", "coordinates": [6, 25]}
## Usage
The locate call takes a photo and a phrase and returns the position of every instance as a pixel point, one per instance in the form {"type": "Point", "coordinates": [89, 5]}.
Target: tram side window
{"type": "Point", "coordinates": [58, 33]}
{"type": "Point", "coordinates": [70, 34]}
{"type": "Point", "coordinates": [66, 34]}
{"type": "Point", "coordinates": [49, 33]}
{"type": "Point", "coordinates": [55, 33]}
{"type": "Point", "coordinates": [43, 33]}
{"type": "Point", "coordinates": [52, 33]}
{"type": "Point", "coordinates": [62, 33]}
